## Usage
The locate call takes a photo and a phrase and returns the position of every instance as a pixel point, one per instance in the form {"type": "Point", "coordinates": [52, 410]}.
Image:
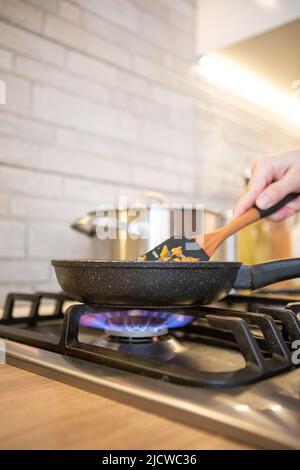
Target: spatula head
{"type": "Point", "coordinates": [176, 249]}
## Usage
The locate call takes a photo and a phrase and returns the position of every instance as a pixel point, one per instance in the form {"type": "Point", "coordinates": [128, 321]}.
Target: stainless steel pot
{"type": "Point", "coordinates": [148, 222]}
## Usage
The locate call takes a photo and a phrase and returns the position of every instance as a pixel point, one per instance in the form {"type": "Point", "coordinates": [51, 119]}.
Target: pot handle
{"type": "Point", "coordinates": [263, 274]}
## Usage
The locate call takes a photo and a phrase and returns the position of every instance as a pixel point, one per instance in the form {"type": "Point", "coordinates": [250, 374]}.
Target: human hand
{"type": "Point", "coordinates": [271, 180]}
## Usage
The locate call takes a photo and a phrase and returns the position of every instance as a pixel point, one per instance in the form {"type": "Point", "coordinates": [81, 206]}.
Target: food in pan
{"type": "Point", "coordinates": [175, 254]}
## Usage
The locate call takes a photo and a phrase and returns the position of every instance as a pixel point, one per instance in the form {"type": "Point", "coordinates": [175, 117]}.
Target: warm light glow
{"type": "Point", "coordinates": [247, 85]}
{"type": "Point", "coordinates": [276, 407]}
{"type": "Point", "coordinates": [268, 4]}
{"type": "Point", "coordinates": [242, 407]}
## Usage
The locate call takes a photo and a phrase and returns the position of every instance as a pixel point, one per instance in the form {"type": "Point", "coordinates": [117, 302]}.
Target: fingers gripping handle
{"type": "Point", "coordinates": [271, 210]}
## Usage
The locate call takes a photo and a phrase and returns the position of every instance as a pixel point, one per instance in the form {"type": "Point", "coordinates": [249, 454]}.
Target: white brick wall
{"type": "Point", "coordinates": [23, 14]}
{"type": "Point", "coordinates": [163, 138]}
{"type": "Point", "coordinates": [121, 12]}
{"type": "Point", "coordinates": [12, 240]}
{"type": "Point", "coordinates": [55, 106]}
{"type": "Point", "coordinates": [18, 94]}
{"type": "Point", "coordinates": [49, 75]}
{"type": "Point", "coordinates": [101, 102]}
{"type": "Point", "coordinates": [23, 181]}
{"type": "Point", "coordinates": [25, 128]}
{"type": "Point", "coordinates": [20, 40]}
{"type": "Point", "coordinates": [76, 37]}
{"type": "Point", "coordinates": [6, 60]}
{"type": "Point", "coordinates": [86, 66]}
{"type": "Point", "coordinates": [16, 151]}
{"type": "Point", "coordinates": [16, 271]}
{"type": "Point", "coordinates": [70, 12]}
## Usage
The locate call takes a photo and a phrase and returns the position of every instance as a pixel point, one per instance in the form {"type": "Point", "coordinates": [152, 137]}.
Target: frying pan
{"type": "Point", "coordinates": [152, 283]}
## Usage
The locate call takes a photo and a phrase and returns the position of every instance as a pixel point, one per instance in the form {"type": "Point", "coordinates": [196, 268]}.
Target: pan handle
{"type": "Point", "coordinates": [260, 275]}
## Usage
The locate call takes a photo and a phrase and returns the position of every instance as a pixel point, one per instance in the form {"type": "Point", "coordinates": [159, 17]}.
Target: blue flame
{"type": "Point", "coordinates": [135, 320]}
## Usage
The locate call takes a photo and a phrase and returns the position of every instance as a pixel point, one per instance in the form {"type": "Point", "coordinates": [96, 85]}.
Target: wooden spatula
{"type": "Point", "coordinates": [203, 246]}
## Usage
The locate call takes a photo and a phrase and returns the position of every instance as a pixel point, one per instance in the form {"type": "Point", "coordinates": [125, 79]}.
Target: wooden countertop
{"type": "Point", "coordinates": [39, 413]}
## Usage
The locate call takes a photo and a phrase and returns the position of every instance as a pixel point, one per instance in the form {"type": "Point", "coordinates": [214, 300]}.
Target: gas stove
{"type": "Point", "coordinates": [228, 367]}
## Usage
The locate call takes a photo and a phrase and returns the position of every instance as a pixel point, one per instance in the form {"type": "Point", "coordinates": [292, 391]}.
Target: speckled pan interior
{"type": "Point", "coordinates": [139, 264]}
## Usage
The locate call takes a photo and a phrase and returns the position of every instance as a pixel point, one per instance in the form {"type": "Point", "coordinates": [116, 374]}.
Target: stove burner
{"type": "Point", "coordinates": [163, 348]}
{"type": "Point", "coordinates": [135, 323]}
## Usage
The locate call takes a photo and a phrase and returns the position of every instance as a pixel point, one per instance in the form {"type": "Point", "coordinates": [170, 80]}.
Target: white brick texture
{"type": "Point", "coordinates": [111, 32]}
{"type": "Point", "coordinates": [12, 240]}
{"type": "Point", "coordinates": [101, 103]}
{"type": "Point", "coordinates": [162, 138]}
{"type": "Point", "coordinates": [25, 15]}
{"type": "Point", "coordinates": [49, 5]}
{"type": "Point", "coordinates": [166, 36]}
{"type": "Point", "coordinates": [120, 12]}
{"type": "Point", "coordinates": [94, 192]}
{"type": "Point", "coordinates": [23, 181]}
{"type": "Point", "coordinates": [83, 164]}
{"type": "Point", "coordinates": [16, 271]}
{"type": "Point", "coordinates": [43, 73]}
{"type": "Point", "coordinates": [4, 204]}
{"type": "Point", "coordinates": [52, 240]}
{"type": "Point", "coordinates": [75, 37]}
{"type": "Point", "coordinates": [46, 209]}
{"type": "Point", "coordinates": [35, 46]}
{"type": "Point", "coordinates": [6, 60]}
{"type": "Point", "coordinates": [68, 110]}
{"type": "Point", "coordinates": [91, 68]}
{"type": "Point", "coordinates": [70, 12]}
{"type": "Point", "coordinates": [19, 152]}
{"type": "Point", "coordinates": [18, 94]}
{"type": "Point", "coordinates": [25, 128]}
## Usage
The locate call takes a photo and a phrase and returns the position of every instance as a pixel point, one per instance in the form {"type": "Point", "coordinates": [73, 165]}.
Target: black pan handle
{"type": "Point", "coordinates": [271, 210]}
{"type": "Point", "coordinates": [263, 274]}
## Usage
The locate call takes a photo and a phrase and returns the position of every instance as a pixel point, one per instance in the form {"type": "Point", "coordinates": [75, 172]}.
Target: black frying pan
{"type": "Point", "coordinates": [133, 283]}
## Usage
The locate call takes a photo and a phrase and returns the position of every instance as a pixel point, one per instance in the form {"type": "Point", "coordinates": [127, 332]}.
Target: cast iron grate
{"type": "Point", "coordinates": [266, 348]}
{"type": "Point", "coordinates": [35, 302]}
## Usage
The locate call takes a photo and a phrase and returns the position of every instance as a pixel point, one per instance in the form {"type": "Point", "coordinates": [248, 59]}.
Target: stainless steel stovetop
{"type": "Point", "coordinates": [218, 367]}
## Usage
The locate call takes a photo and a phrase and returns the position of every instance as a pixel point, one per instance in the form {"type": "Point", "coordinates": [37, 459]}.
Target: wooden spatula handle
{"type": "Point", "coordinates": [249, 217]}
{"type": "Point", "coordinates": [213, 240]}
{"type": "Point", "coordinates": [254, 214]}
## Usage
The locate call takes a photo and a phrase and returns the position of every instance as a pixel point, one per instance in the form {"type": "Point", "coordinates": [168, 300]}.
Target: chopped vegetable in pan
{"type": "Point", "coordinates": [175, 254]}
